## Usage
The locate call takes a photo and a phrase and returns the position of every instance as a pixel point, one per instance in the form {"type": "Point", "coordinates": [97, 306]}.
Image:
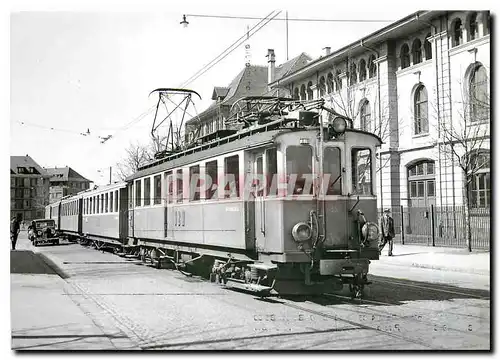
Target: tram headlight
{"type": "Point", "coordinates": [301, 232]}
{"type": "Point", "coordinates": [339, 125]}
{"type": "Point", "coordinates": [370, 231]}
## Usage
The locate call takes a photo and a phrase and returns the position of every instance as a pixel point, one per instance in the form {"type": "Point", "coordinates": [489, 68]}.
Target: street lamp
{"type": "Point", "coordinates": [184, 22]}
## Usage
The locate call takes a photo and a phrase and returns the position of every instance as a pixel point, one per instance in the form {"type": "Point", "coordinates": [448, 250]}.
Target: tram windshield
{"type": "Point", "coordinates": [361, 171]}
{"type": "Point", "coordinates": [299, 172]}
{"type": "Point", "coordinates": [332, 171]}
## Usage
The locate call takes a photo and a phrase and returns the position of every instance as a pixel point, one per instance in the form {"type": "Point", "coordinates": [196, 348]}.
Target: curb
{"type": "Point", "coordinates": [51, 264]}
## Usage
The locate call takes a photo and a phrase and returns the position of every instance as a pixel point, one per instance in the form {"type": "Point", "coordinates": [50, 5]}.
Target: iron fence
{"type": "Point", "coordinates": [441, 226]}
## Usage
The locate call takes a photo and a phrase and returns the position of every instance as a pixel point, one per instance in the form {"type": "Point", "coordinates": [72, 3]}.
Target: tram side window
{"type": "Point", "coordinates": [271, 172]}
{"type": "Point", "coordinates": [98, 204]}
{"type": "Point", "coordinates": [147, 191]}
{"type": "Point", "coordinates": [231, 177]}
{"type": "Point", "coordinates": [211, 180]}
{"type": "Point", "coordinates": [169, 186]}
{"type": "Point", "coordinates": [361, 171]}
{"type": "Point", "coordinates": [299, 170]}
{"type": "Point", "coordinates": [157, 190]}
{"type": "Point", "coordinates": [106, 203]}
{"type": "Point", "coordinates": [332, 170]}
{"type": "Point", "coordinates": [180, 185]}
{"type": "Point", "coordinates": [194, 183]}
{"type": "Point", "coordinates": [116, 200]}
{"type": "Point", "coordinates": [91, 208]}
{"type": "Point", "coordinates": [138, 193]}
{"type": "Point", "coordinates": [102, 203]}
{"type": "Point", "coordinates": [111, 202]}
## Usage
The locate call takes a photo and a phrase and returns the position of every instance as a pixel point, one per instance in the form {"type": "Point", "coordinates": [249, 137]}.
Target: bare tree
{"type": "Point", "coordinates": [463, 139]}
{"type": "Point", "coordinates": [136, 155]}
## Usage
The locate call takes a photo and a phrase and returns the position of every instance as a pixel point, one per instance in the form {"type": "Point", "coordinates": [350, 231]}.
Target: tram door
{"type": "Point", "coordinates": [259, 204]}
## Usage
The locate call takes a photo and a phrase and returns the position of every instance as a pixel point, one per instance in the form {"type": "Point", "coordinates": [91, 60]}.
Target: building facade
{"type": "Point", "coordinates": [29, 188]}
{"type": "Point", "coordinates": [421, 84]}
{"type": "Point", "coordinates": [65, 181]}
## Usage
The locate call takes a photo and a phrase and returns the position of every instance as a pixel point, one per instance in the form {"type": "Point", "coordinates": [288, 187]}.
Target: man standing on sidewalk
{"type": "Point", "coordinates": [387, 231]}
{"type": "Point", "coordinates": [15, 228]}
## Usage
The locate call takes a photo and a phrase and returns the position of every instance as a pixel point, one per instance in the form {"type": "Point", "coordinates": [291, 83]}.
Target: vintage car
{"type": "Point", "coordinates": [43, 231]}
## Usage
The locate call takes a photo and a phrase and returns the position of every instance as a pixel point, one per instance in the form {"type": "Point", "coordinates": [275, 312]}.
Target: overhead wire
{"type": "Point", "coordinates": [232, 47]}
{"type": "Point", "coordinates": [289, 19]}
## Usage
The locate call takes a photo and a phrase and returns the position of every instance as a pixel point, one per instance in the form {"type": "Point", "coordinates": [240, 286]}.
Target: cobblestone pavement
{"type": "Point", "coordinates": [165, 310]}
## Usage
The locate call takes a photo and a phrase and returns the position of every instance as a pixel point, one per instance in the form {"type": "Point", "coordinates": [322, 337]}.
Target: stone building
{"type": "Point", "coordinates": [29, 188]}
{"type": "Point", "coordinates": [415, 83]}
{"type": "Point", "coordinates": [65, 181]}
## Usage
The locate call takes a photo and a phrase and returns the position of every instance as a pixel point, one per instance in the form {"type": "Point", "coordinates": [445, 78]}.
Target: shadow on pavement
{"type": "Point", "coordinates": [386, 291]}
{"type": "Point", "coordinates": [28, 262]}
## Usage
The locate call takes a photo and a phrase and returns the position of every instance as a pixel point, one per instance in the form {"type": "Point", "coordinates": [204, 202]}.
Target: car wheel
{"type": "Point", "coordinates": [35, 243]}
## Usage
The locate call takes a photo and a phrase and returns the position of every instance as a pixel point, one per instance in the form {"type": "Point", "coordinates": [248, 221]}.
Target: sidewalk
{"type": "Point", "coordinates": [44, 316]}
{"type": "Point", "coordinates": [438, 258]}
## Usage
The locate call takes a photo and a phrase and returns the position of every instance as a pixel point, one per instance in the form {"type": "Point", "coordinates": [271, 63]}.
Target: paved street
{"type": "Point", "coordinates": [72, 297]}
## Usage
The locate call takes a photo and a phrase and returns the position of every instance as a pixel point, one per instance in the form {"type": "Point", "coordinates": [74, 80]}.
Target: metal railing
{"type": "Point", "coordinates": [441, 226]}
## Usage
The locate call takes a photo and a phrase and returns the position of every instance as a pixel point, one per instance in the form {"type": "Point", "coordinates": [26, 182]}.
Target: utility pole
{"type": "Point", "coordinates": [286, 26]}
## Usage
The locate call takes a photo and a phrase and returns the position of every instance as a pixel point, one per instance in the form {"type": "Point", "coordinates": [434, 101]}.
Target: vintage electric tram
{"type": "Point", "coordinates": [282, 203]}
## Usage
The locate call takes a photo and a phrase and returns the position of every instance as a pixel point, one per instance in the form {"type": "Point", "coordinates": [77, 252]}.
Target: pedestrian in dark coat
{"type": "Point", "coordinates": [387, 225]}
{"type": "Point", "coordinates": [15, 228]}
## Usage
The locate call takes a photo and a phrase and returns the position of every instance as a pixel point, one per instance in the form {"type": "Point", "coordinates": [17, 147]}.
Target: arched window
{"type": "Point", "coordinates": [421, 111]}
{"type": "Point", "coordinates": [456, 33]}
{"type": "Point", "coordinates": [372, 68]}
{"type": "Point", "coordinates": [478, 179]}
{"type": "Point", "coordinates": [303, 92]}
{"type": "Point", "coordinates": [421, 183]}
{"type": "Point", "coordinates": [473, 34]}
{"type": "Point", "coordinates": [427, 48]}
{"type": "Point", "coordinates": [329, 83]}
{"type": "Point", "coordinates": [338, 81]}
{"type": "Point", "coordinates": [296, 95]}
{"type": "Point", "coordinates": [365, 114]}
{"type": "Point", "coordinates": [416, 50]}
{"type": "Point", "coordinates": [405, 56]}
{"type": "Point", "coordinates": [479, 99]}
{"type": "Point", "coordinates": [353, 76]}
{"type": "Point", "coordinates": [362, 70]}
{"type": "Point", "coordinates": [310, 93]}
{"type": "Point", "coordinates": [322, 86]}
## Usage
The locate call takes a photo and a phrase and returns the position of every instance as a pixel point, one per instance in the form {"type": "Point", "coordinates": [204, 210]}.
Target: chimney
{"type": "Point", "coordinates": [271, 65]}
{"type": "Point", "coordinates": [327, 50]}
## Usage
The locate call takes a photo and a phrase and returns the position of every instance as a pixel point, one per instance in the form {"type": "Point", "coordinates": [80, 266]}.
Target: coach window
{"type": "Point", "coordinates": [102, 203]}
{"type": "Point", "coordinates": [211, 180]}
{"type": "Point", "coordinates": [361, 171]}
{"type": "Point", "coordinates": [157, 190]}
{"type": "Point", "coordinates": [97, 204]}
{"type": "Point", "coordinates": [180, 185]}
{"type": "Point", "coordinates": [147, 191]}
{"type": "Point", "coordinates": [194, 183]}
{"type": "Point", "coordinates": [106, 203]}
{"type": "Point", "coordinates": [138, 193]}
{"type": "Point", "coordinates": [169, 186]}
{"type": "Point", "coordinates": [271, 172]}
{"type": "Point", "coordinates": [90, 206]}
{"type": "Point", "coordinates": [332, 170]}
{"type": "Point", "coordinates": [232, 177]}
{"type": "Point", "coordinates": [299, 170]}
{"type": "Point", "coordinates": [116, 200]}
{"type": "Point", "coordinates": [111, 203]}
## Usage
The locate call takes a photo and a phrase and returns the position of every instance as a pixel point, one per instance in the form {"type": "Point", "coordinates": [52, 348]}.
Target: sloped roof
{"type": "Point", "coordinates": [64, 174]}
{"type": "Point", "coordinates": [219, 92]}
{"type": "Point", "coordinates": [292, 65]}
{"type": "Point", "coordinates": [25, 162]}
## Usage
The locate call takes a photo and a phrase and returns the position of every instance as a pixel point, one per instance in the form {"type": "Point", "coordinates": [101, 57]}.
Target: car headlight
{"type": "Point", "coordinates": [301, 232]}
{"type": "Point", "coordinates": [370, 231]}
{"type": "Point", "coordinates": [39, 233]}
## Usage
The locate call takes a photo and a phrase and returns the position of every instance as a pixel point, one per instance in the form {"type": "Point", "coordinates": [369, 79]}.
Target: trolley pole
{"type": "Point", "coordinates": [110, 174]}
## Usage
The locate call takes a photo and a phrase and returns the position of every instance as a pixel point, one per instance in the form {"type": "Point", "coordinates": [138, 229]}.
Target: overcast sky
{"type": "Point", "coordinates": [91, 67]}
